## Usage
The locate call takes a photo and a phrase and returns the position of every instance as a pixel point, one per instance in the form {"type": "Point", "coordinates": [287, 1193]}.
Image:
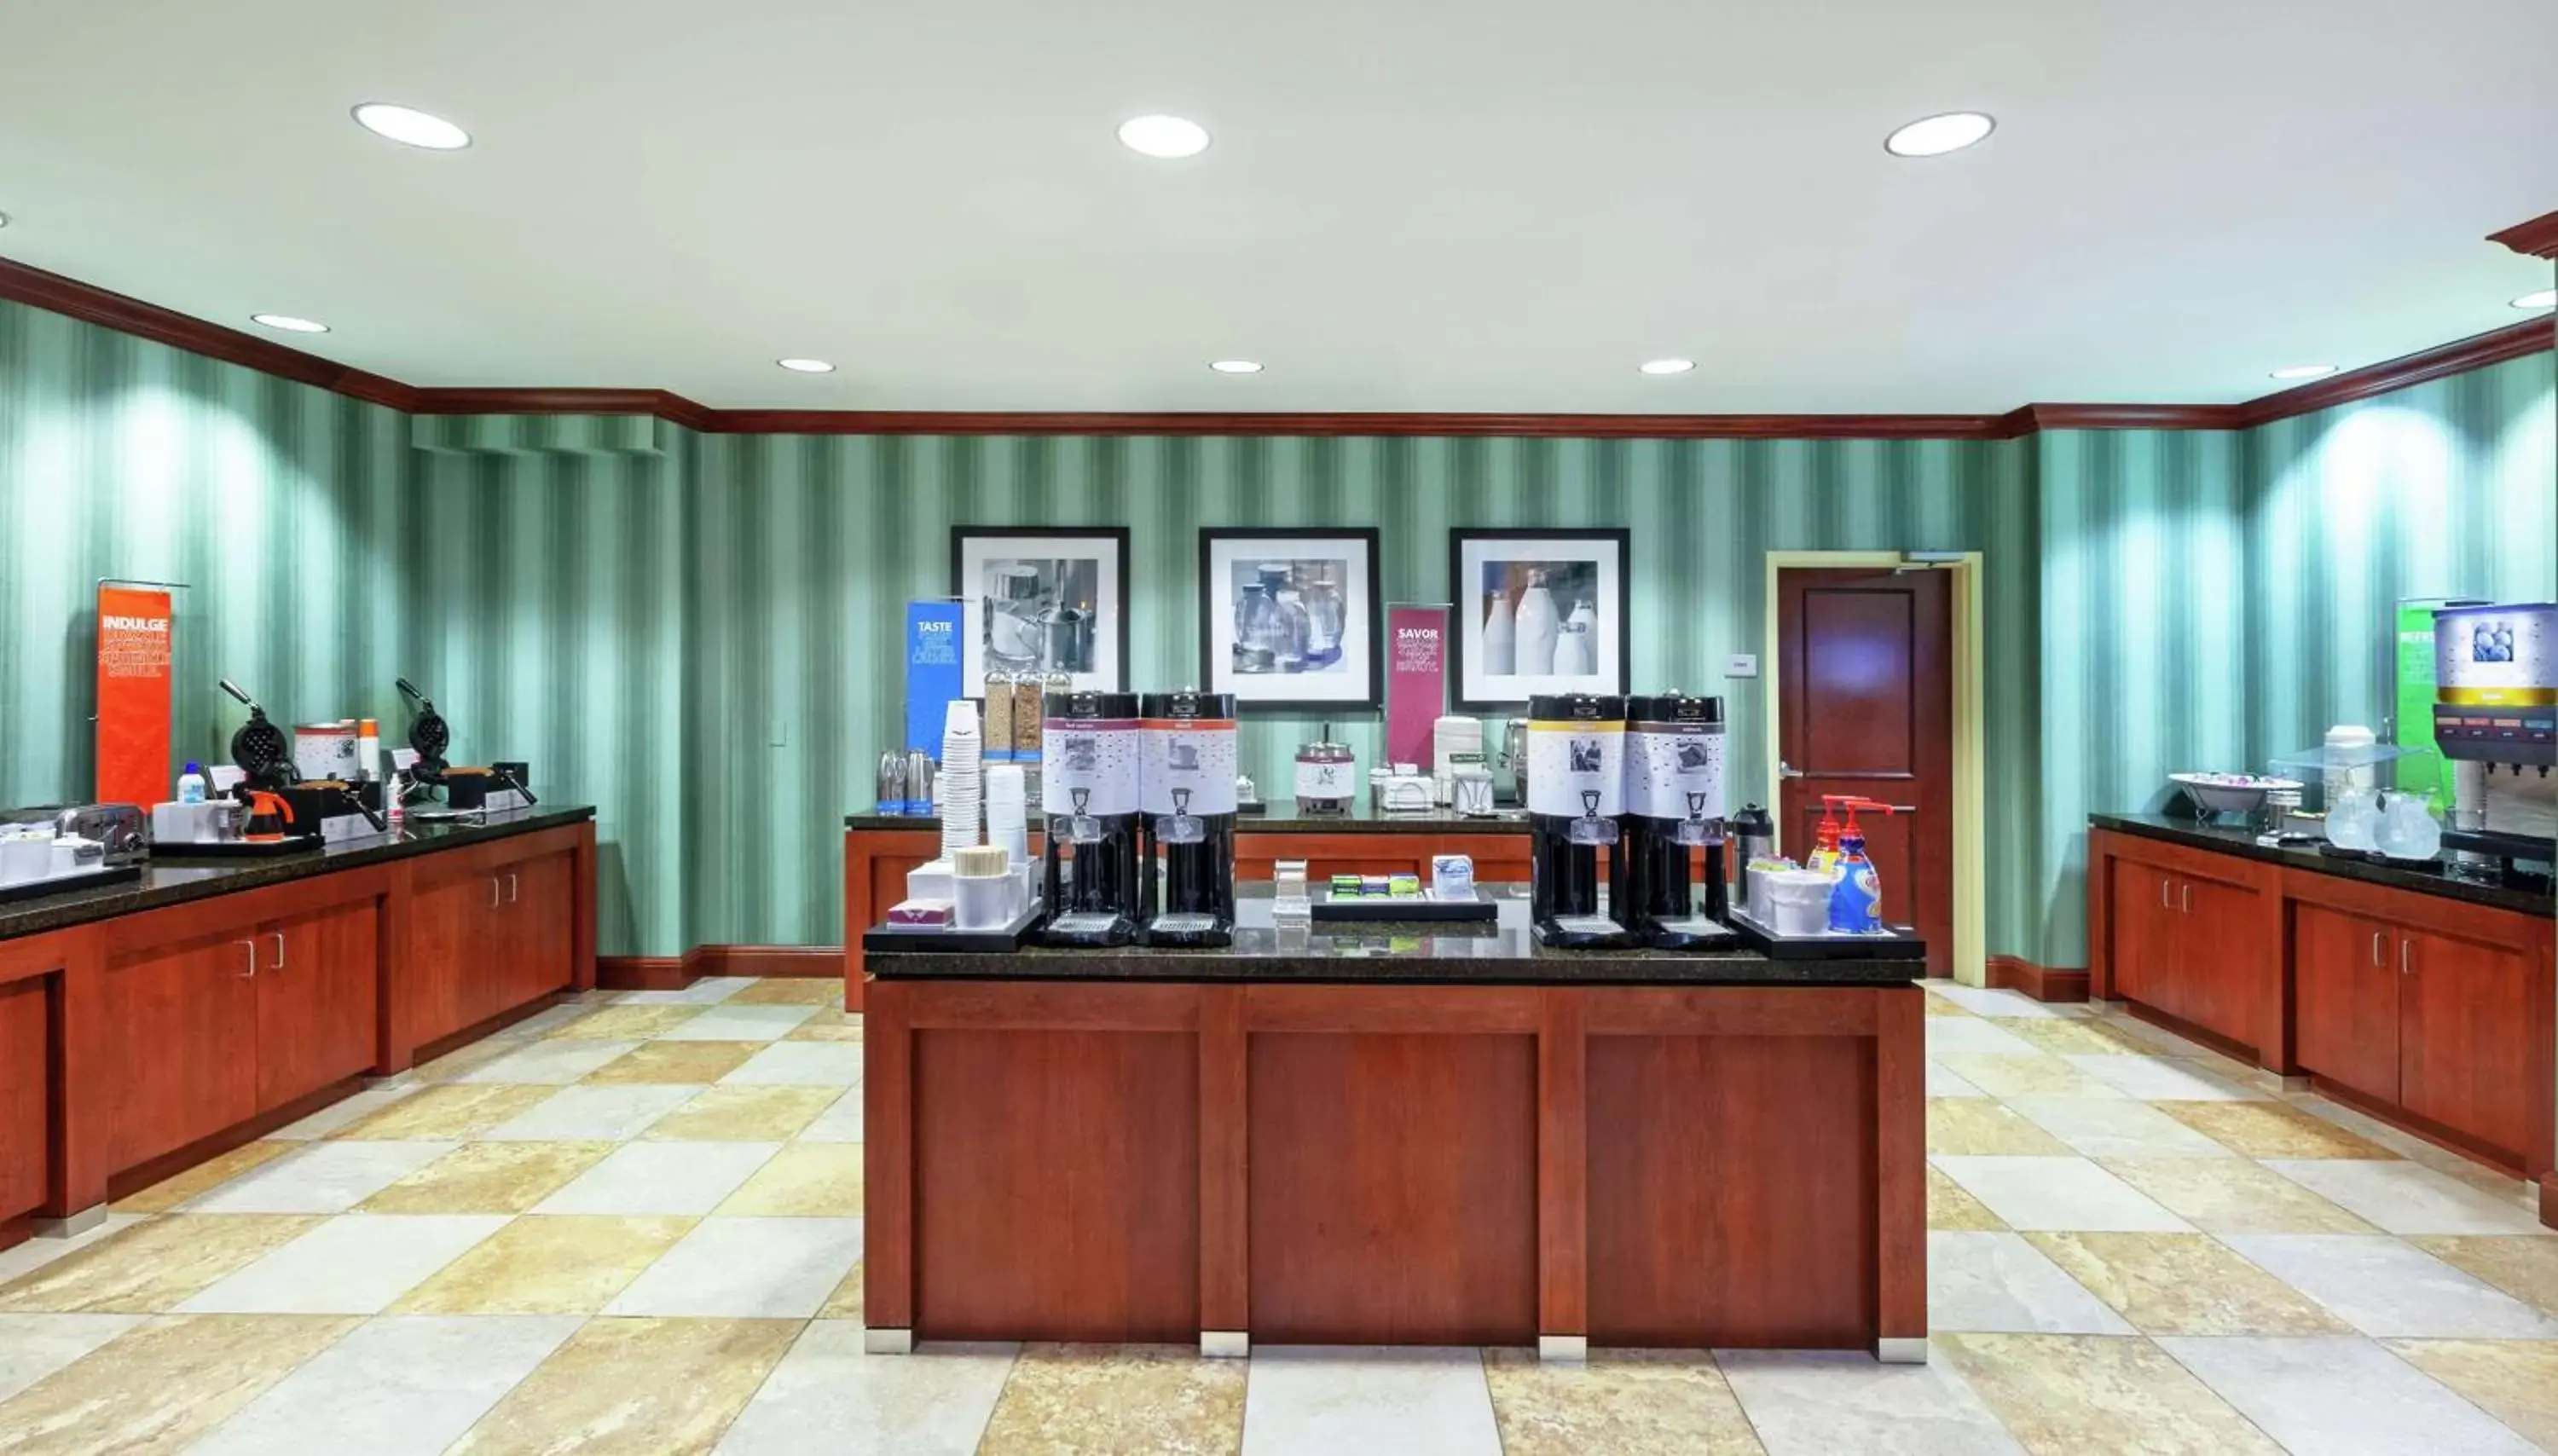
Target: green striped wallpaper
{"type": "Point", "coordinates": [280, 503]}
{"type": "Point", "coordinates": [699, 633]}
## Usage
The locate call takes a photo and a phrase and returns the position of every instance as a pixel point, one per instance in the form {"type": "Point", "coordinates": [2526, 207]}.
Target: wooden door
{"type": "Point", "coordinates": [2219, 982]}
{"type": "Point", "coordinates": [2466, 1043]}
{"type": "Point", "coordinates": [2346, 995]}
{"type": "Point", "coordinates": [447, 937]}
{"type": "Point", "coordinates": [1866, 707]}
{"type": "Point", "coordinates": [181, 1062]}
{"type": "Point", "coordinates": [2137, 929]}
{"type": "Point", "coordinates": [538, 911]}
{"type": "Point", "coordinates": [26, 1107]}
{"type": "Point", "coordinates": [315, 1001]}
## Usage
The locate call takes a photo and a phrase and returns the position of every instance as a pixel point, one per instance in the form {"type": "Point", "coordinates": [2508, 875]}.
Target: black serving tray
{"type": "Point", "coordinates": [1408, 910]}
{"type": "Point", "coordinates": [1001, 941]}
{"type": "Point", "coordinates": [36, 890]}
{"type": "Point", "coordinates": [1898, 943]}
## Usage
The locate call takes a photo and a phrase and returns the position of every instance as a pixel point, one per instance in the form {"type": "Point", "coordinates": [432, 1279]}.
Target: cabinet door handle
{"type": "Point", "coordinates": [496, 894]}
{"type": "Point", "coordinates": [253, 959]}
{"type": "Point", "coordinates": [279, 950]}
{"type": "Point", "coordinates": [2163, 893]}
{"type": "Point", "coordinates": [2377, 939]}
{"type": "Point", "coordinates": [2405, 966]}
{"type": "Point", "coordinates": [2185, 899]}
{"type": "Point", "coordinates": [512, 893]}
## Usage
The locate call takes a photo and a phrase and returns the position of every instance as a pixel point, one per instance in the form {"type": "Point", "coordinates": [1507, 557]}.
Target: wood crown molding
{"type": "Point", "coordinates": [2537, 238]}
{"type": "Point", "coordinates": [20, 283]}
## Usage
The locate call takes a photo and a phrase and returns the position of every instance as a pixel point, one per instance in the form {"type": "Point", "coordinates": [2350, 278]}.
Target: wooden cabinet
{"type": "Point", "coordinates": [2183, 936]}
{"type": "Point", "coordinates": [316, 1002]}
{"type": "Point", "coordinates": [183, 1062]}
{"type": "Point", "coordinates": [2346, 999]}
{"type": "Point", "coordinates": [26, 1112]}
{"type": "Point", "coordinates": [485, 936]}
{"type": "Point", "coordinates": [2468, 1018]}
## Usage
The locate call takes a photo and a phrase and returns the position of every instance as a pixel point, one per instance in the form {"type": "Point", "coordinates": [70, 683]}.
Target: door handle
{"type": "Point", "coordinates": [2405, 966]}
{"type": "Point", "coordinates": [513, 893]}
{"type": "Point", "coordinates": [279, 950]}
{"type": "Point", "coordinates": [2376, 938]}
{"type": "Point", "coordinates": [1787, 770]}
{"type": "Point", "coordinates": [253, 959]}
{"type": "Point", "coordinates": [2185, 899]}
{"type": "Point", "coordinates": [2163, 894]}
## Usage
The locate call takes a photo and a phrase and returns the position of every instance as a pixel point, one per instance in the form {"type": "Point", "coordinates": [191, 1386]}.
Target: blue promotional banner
{"type": "Point", "coordinates": [932, 671]}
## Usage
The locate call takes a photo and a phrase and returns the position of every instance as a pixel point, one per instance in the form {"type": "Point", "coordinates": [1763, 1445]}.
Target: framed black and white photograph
{"type": "Point", "coordinates": [1042, 601]}
{"type": "Point", "coordinates": [1539, 611]}
{"type": "Point", "coordinates": [1289, 616]}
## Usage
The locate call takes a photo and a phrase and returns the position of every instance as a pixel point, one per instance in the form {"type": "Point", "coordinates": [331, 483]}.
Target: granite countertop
{"type": "Point", "coordinates": [172, 879]}
{"type": "Point", "coordinates": [1284, 818]}
{"type": "Point", "coordinates": [2435, 878]}
{"type": "Point", "coordinates": [1500, 954]}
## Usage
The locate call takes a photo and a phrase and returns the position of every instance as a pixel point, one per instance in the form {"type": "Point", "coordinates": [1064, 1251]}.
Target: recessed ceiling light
{"type": "Point", "coordinates": [288, 323]}
{"type": "Point", "coordinates": [1163, 136]}
{"type": "Point", "coordinates": [2547, 298]}
{"type": "Point", "coordinates": [2305, 371]}
{"type": "Point", "coordinates": [1668, 366]}
{"type": "Point", "coordinates": [806, 366]}
{"type": "Point", "coordinates": [1934, 136]}
{"type": "Point", "coordinates": [1237, 367]}
{"type": "Point", "coordinates": [407, 124]}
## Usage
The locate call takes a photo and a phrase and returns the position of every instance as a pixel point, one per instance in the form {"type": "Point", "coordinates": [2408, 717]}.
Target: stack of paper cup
{"type": "Point", "coordinates": [1008, 820]}
{"type": "Point", "coordinates": [961, 784]}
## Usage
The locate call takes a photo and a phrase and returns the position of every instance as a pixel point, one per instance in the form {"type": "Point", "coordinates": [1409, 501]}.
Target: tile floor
{"type": "Point", "coordinates": [633, 1224]}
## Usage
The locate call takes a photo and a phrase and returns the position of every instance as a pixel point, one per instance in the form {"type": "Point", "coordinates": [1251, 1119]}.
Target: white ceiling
{"type": "Point", "coordinates": [1410, 205]}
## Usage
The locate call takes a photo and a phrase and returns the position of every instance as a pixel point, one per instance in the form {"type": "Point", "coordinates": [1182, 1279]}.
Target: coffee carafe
{"type": "Point", "coordinates": [1673, 808]}
{"type": "Point", "coordinates": [1186, 805]}
{"type": "Point", "coordinates": [1088, 790]}
{"type": "Point", "coordinates": [1575, 787]}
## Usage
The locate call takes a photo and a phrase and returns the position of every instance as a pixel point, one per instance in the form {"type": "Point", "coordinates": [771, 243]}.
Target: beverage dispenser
{"type": "Point", "coordinates": [1187, 804]}
{"type": "Point", "coordinates": [2495, 717]}
{"type": "Point", "coordinates": [1575, 787]}
{"type": "Point", "coordinates": [1674, 808]}
{"type": "Point", "coordinates": [1088, 789]}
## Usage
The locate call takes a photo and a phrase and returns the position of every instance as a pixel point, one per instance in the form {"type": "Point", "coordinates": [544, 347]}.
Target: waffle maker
{"type": "Point", "coordinates": [429, 735]}
{"type": "Point", "coordinates": [258, 748]}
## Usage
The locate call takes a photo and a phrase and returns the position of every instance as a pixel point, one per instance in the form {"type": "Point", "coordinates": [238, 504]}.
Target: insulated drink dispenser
{"type": "Point", "coordinates": [1674, 809]}
{"type": "Point", "coordinates": [1185, 795]}
{"type": "Point", "coordinates": [1576, 788]}
{"type": "Point", "coordinates": [1089, 779]}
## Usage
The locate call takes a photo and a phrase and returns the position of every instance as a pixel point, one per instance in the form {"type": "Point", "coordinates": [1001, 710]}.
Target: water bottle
{"type": "Point", "coordinates": [190, 784]}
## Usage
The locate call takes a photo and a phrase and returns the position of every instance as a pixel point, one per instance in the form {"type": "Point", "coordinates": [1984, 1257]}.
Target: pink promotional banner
{"type": "Point", "coordinates": [1416, 680]}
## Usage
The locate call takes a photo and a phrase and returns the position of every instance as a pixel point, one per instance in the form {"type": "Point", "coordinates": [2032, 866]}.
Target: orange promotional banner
{"type": "Point", "coordinates": [133, 698]}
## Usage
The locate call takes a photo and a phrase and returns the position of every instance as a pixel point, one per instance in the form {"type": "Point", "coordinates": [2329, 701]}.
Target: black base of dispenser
{"type": "Point", "coordinates": [1088, 928]}
{"type": "Point", "coordinates": [1187, 932]}
{"type": "Point", "coordinates": [1584, 933]}
{"type": "Point", "coordinates": [1697, 933]}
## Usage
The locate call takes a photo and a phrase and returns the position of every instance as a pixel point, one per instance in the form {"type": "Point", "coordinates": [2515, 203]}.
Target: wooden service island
{"type": "Point", "coordinates": [1395, 1136]}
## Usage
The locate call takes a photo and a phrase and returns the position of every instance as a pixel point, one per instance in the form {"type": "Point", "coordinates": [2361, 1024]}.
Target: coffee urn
{"type": "Point", "coordinates": [1187, 803]}
{"type": "Point", "coordinates": [1088, 783]}
{"type": "Point", "coordinates": [1576, 786]}
{"type": "Point", "coordinates": [1673, 808]}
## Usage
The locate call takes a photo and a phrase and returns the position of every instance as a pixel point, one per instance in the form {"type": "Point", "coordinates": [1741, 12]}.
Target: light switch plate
{"type": "Point", "coordinates": [1740, 665]}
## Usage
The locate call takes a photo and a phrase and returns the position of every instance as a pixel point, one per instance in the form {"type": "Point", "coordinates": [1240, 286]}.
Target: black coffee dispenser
{"type": "Point", "coordinates": [1674, 808]}
{"type": "Point", "coordinates": [1186, 798]}
{"type": "Point", "coordinates": [1088, 790]}
{"type": "Point", "coordinates": [1576, 788]}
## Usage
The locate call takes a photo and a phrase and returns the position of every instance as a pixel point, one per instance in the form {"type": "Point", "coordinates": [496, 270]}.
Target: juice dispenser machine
{"type": "Point", "coordinates": [1088, 780]}
{"type": "Point", "coordinates": [1575, 787]}
{"type": "Point", "coordinates": [1674, 808]}
{"type": "Point", "coordinates": [1186, 808]}
{"type": "Point", "coordinates": [2495, 717]}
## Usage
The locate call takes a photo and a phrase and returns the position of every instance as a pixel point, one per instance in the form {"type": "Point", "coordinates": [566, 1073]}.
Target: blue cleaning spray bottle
{"type": "Point", "coordinates": [1856, 901]}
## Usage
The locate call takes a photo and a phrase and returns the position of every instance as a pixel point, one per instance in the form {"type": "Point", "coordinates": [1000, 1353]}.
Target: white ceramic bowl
{"type": "Point", "coordinates": [2229, 793]}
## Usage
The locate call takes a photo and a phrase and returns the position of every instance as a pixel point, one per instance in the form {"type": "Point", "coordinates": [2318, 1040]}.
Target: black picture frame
{"type": "Point", "coordinates": [973, 682]}
{"type": "Point", "coordinates": [1373, 695]}
{"type": "Point", "coordinates": [1464, 624]}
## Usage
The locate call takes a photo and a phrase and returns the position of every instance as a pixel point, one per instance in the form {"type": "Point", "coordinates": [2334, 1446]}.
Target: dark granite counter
{"type": "Point", "coordinates": [2438, 880]}
{"type": "Point", "coordinates": [170, 880]}
{"type": "Point", "coordinates": [1283, 818]}
{"type": "Point", "coordinates": [1500, 954]}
